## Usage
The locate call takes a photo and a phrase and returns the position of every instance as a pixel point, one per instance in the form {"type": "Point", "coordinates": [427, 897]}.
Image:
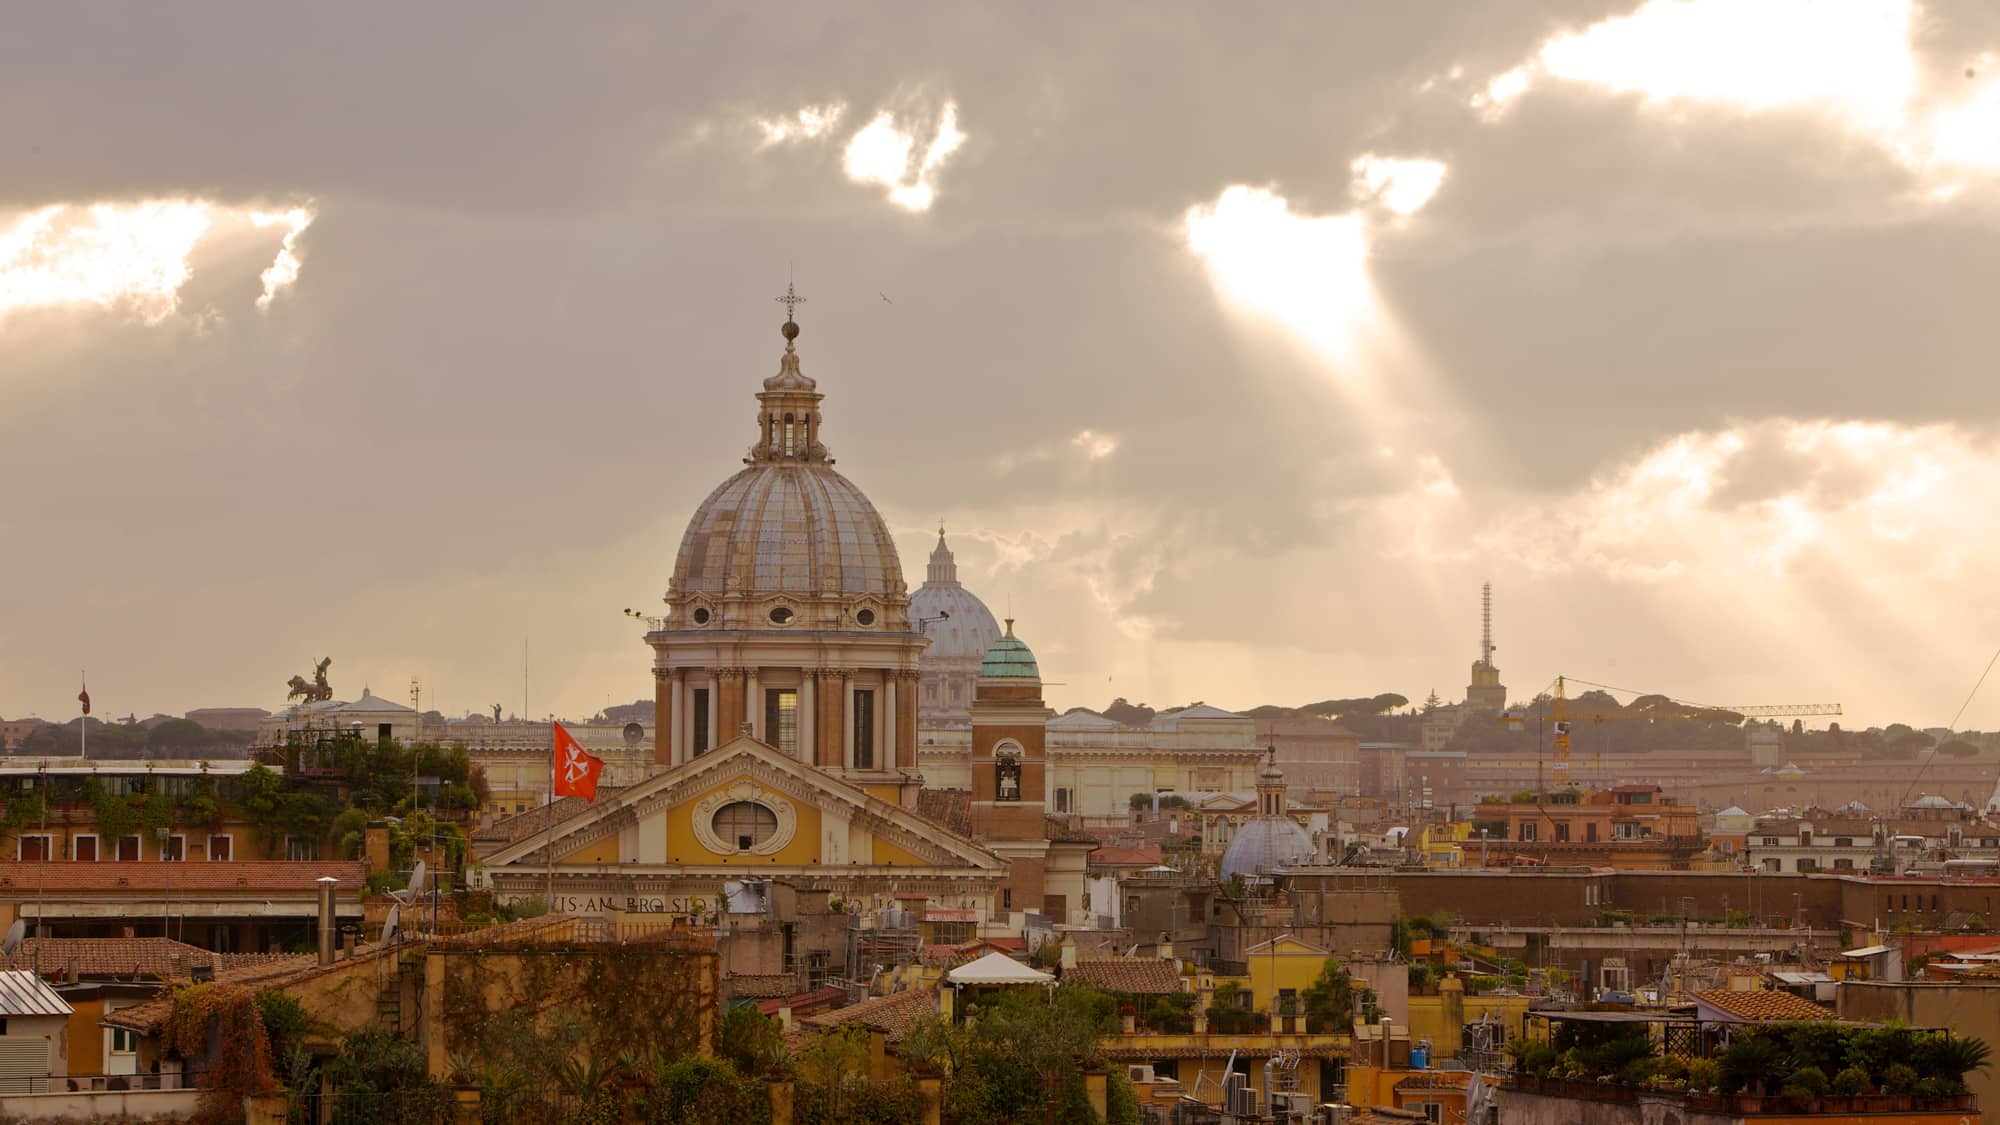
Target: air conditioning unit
{"type": "Point", "coordinates": [1140, 1072]}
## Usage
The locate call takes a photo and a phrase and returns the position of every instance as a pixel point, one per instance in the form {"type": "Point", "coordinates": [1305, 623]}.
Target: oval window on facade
{"type": "Point", "coordinates": [866, 617]}
{"type": "Point", "coordinates": [745, 824]}
{"type": "Point", "coordinates": [782, 616]}
{"type": "Point", "coordinates": [701, 616]}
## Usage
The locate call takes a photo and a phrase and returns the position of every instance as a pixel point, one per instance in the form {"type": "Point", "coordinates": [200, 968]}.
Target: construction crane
{"type": "Point", "coordinates": [1559, 716]}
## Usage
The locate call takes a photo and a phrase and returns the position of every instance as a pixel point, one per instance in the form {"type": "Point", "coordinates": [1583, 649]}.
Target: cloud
{"type": "Point", "coordinates": [808, 123]}
{"type": "Point", "coordinates": [130, 256]}
{"type": "Point", "coordinates": [1853, 64]}
{"type": "Point", "coordinates": [1304, 272]}
{"type": "Point", "coordinates": [881, 153]}
{"type": "Point", "coordinates": [1401, 185]}
{"type": "Point", "coordinates": [284, 269]}
{"type": "Point", "coordinates": [1762, 500]}
{"type": "Point", "coordinates": [135, 257]}
{"type": "Point", "coordinates": [1095, 446]}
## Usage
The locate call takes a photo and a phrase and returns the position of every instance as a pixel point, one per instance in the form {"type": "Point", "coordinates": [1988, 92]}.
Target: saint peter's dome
{"type": "Point", "coordinates": [788, 542]}
{"type": "Point", "coordinates": [959, 625]}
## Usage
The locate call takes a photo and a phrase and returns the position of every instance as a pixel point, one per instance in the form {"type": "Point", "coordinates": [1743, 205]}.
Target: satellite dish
{"type": "Point", "coordinates": [416, 880]}
{"type": "Point", "coordinates": [389, 925]}
{"type": "Point", "coordinates": [634, 733]}
{"type": "Point", "coordinates": [16, 933]}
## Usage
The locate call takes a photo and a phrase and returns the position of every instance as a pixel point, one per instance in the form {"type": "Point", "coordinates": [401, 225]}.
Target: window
{"type": "Point", "coordinates": [864, 729]}
{"type": "Point", "coordinates": [1562, 832]}
{"type": "Point", "coordinates": [700, 616]}
{"type": "Point", "coordinates": [1774, 865]}
{"type": "Point", "coordinates": [34, 848]}
{"type": "Point", "coordinates": [220, 848]}
{"type": "Point", "coordinates": [1843, 841]}
{"type": "Point", "coordinates": [745, 823]}
{"type": "Point", "coordinates": [128, 849]}
{"type": "Point", "coordinates": [1062, 800]}
{"type": "Point", "coordinates": [301, 848]}
{"type": "Point", "coordinates": [1843, 865]}
{"type": "Point", "coordinates": [1288, 1002]}
{"type": "Point", "coordinates": [84, 849]}
{"type": "Point", "coordinates": [1590, 832]}
{"type": "Point", "coordinates": [1007, 785]}
{"type": "Point", "coordinates": [865, 617]}
{"type": "Point", "coordinates": [1006, 898]}
{"type": "Point", "coordinates": [124, 1041]}
{"type": "Point", "coordinates": [1527, 830]}
{"type": "Point", "coordinates": [781, 719]}
{"type": "Point", "coordinates": [1770, 841]}
{"type": "Point", "coordinates": [700, 720]}
{"type": "Point", "coordinates": [1433, 1111]}
{"type": "Point", "coordinates": [782, 616]}
{"type": "Point", "coordinates": [174, 850]}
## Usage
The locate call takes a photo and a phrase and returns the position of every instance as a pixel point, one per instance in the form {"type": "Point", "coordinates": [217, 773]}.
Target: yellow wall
{"type": "Point", "coordinates": [1289, 964]}
{"type": "Point", "coordinates": [893, 794]}
{"type": "Point", "coordinates": [684, 847]}
{"type": "Point", "coordinates": [603, 851]}
{"type": "Point", "coordinates": [1427, 1020]}
{"type": "Point", "coordinates": [886, 852]}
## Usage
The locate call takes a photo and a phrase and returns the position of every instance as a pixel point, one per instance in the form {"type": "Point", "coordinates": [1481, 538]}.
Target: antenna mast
{"type": "Point", "coordinates": [1486, 623]}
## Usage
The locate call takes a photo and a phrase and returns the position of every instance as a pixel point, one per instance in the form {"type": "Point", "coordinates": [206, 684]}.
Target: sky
{"type": "Point", "coordinates": [1235, 347]}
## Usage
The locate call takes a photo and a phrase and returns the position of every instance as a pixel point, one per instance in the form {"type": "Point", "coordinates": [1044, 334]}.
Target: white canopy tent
{"type": "Point", "coordinates": [998, 968]}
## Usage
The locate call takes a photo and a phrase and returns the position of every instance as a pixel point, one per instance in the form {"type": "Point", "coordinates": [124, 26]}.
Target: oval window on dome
{"type": "Point", "coordinates": [745, 824]}
{"type": "Point", "coordinates": [782, 616]}
{"type": "Point", "coordinates": [866, 617]}
{"type": "Point", "coordinates": [701, 616]}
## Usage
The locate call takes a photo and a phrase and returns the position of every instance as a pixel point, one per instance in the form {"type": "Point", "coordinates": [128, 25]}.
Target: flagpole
{"type": "Point", "coordinates": [549, 845]}
{"type": "Point", "coordinates": [83, 727]}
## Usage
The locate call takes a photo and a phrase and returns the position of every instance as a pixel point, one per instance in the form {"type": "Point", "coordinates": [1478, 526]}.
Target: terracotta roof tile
{"type": "Point", "coordinates": [1146, 976]}
{"type": "Point", "coordinates": [948, 808]}
{"type": "Point", "coordinates": [110, 957]}
{"type": "Point", "coordinates": [1145, 856]}
{"type": "Point", "coordinates": [894, 1014]}
{"type": "Point", "coordinates": [1764, 1004]}
{"type": "Point", "coordinates": [154, 877]}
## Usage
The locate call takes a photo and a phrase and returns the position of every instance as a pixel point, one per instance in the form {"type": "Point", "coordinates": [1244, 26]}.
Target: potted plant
{"type": "Point", "coordinates": [1899, 1081]}
{"type": "Point", "coordinates": [1847, 1083]}
{"type": "Point", "coordinates": [1748, 1065]}
{"type": "Point", "coordinates": [1804, 1088]}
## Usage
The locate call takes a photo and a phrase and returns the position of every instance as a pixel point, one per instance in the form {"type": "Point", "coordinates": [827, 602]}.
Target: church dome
{"type": "Point", "coordinates": [1264, 845]}
{"type": "Point", "coordinates": [788, 542]}
{"type": "Point", "coordinates": [1009, 659]}
{"type": "Point", "coordinates": [779, 528]}
{"type": "Point", "coordinates": [959, 625]}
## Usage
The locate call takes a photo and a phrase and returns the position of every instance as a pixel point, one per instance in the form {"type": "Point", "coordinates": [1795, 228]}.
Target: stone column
{"type": "Point", "coordinates": [891, 713]}
{"type": "Point", "coordinates": [806, 724]}
{"type": "Point", "coordinates": [663, 717]}
{"type": "Point", "coordinates": [753, 707]}
{"type": "Point", "coordinates": [847, 726]}
{"type": "Point", "coordinates": [727, 708]}
{"type": "Point", "coordinates": [906, 727]}
{"type": "Point", "coordinates": [832, 718]}
{"type": "Point", "coordinates": [676, 740]}
{"type": "Point", "coordinates": [714, 702]}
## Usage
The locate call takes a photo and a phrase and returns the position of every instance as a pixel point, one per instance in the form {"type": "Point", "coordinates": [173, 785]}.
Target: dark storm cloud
{"type": "Point", "coordinates": [536, 297]}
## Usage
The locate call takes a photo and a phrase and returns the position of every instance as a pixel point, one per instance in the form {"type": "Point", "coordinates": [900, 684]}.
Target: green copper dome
{"type": "Point", "coordinates": [1009, 659]}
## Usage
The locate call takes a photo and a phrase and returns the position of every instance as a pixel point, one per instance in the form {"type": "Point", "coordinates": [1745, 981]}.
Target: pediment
{"type": "Point", "coordinates": [746, 761]}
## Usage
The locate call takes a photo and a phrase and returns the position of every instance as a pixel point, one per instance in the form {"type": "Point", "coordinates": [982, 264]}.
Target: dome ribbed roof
{"type": "Point", "coordinates": [1009, 659]}
{"type": "Point", "coordinates": [787, 528]}
{"type": "Point", "coordinates": [1266, 844]}
{"type": "Point", "coordinates": [959, 625]}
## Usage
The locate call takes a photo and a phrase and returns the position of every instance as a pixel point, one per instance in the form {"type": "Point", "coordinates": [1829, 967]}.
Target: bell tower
{"type": "Point", "coordinates": [1009, 769]}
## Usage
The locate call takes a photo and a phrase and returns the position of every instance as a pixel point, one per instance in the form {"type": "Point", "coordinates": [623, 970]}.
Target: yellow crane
{"type": "Point", "coordinates": [1560, 718]}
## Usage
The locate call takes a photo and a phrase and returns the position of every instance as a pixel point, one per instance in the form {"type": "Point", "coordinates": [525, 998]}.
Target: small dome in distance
{"type": "Point", "coordinates": [1009, 659]}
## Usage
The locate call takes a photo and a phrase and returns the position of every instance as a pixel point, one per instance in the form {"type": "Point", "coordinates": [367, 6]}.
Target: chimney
{"type": "Point", "coordinates": [326, 885]}
{"type": "Point", "coordinates": [1068, 954]}
{"type": "Point", "coordinates": [1451, 999]}
{"type": "Point", "coordinates": [1166, 946]}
